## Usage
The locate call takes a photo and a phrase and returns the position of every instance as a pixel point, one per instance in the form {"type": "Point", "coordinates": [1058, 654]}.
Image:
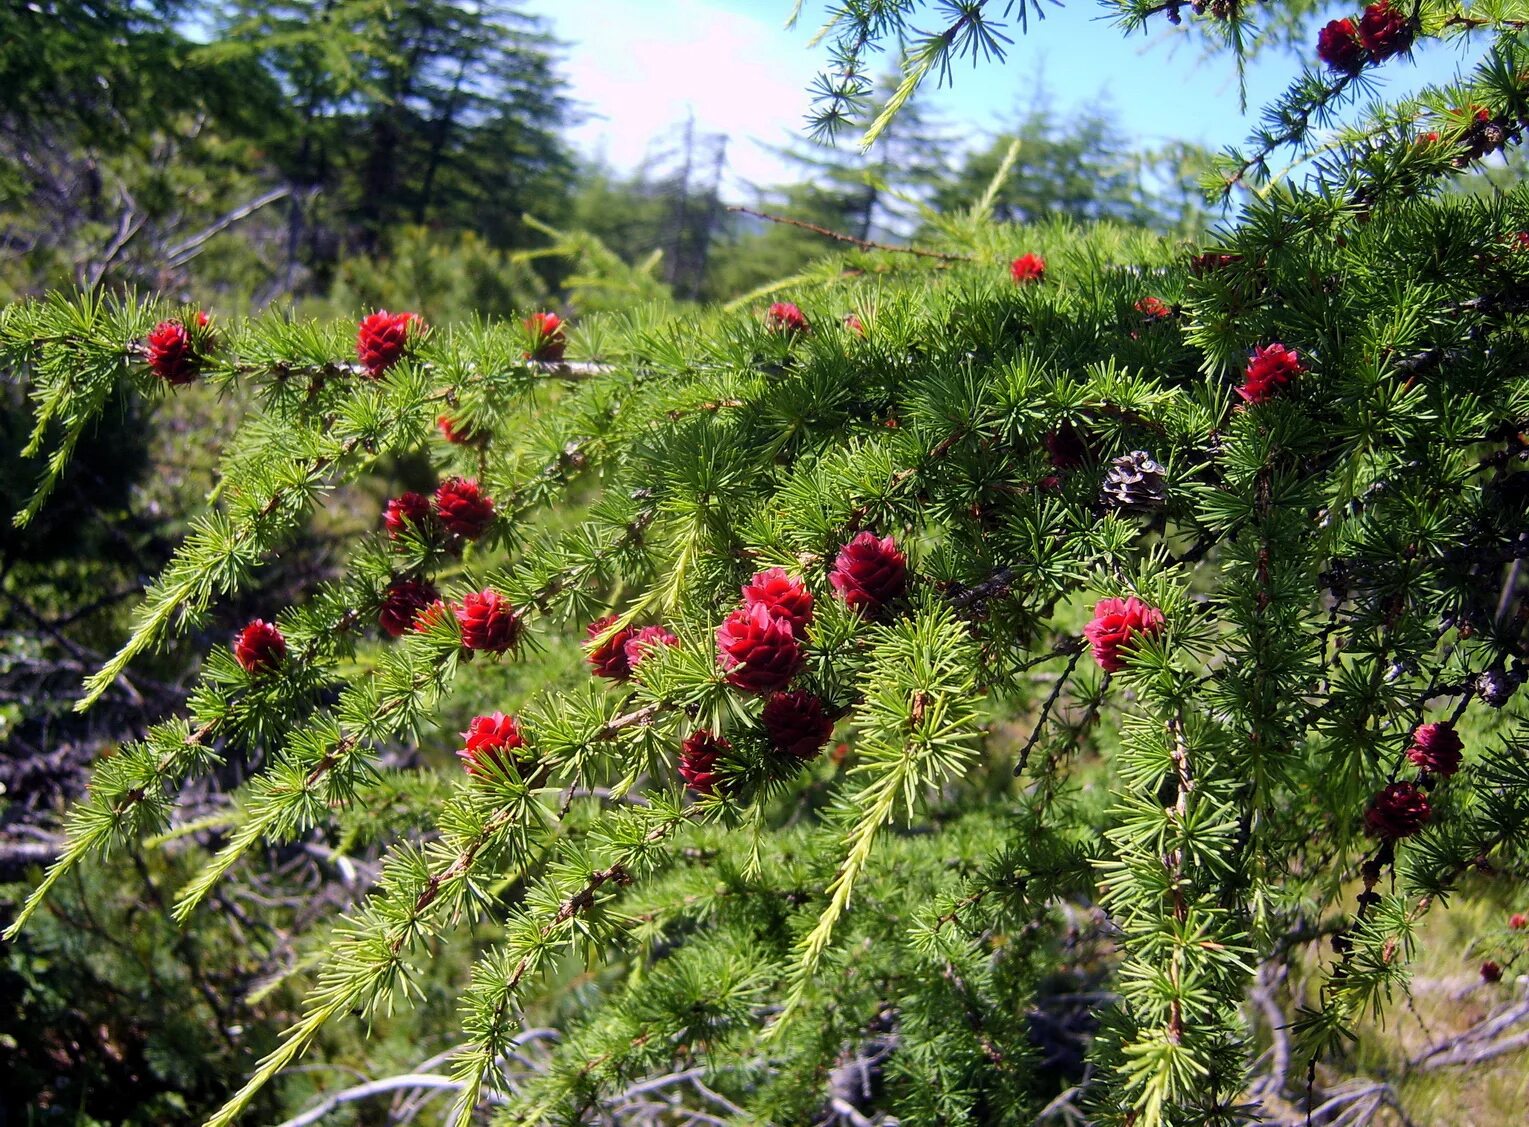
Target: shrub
{"type": "Point", "coordinates": [1172, 596]}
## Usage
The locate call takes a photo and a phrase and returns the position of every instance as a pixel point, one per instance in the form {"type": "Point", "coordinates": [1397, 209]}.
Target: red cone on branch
{"type": "Point", "coordinates": [171, 352]}
{"type": "Point", "coordinates": [1065, 447]}
{"type": "Point", "coordinates": [432, 616]}
{"type": "Point", "coordinates": [796, 723]}
{"type": "Point", "coordinates": [1117, 624]}
{"type": "Point", "coordinates": [1385, 31]}
{"type": "Point", "coordinates": [490, 741]}
{"type": "Point", "coordinates": [488, 621]}
{"type": "Point", "coordinates": [458, 433]}
{"type": "Point", "coordinates": [1491, 972]}
{"type": "Point", "coordinates": [698, 760]}
{"type": "Point", "coordinates": [401, 604]}
{"type": "Point", "coordinates": [463, 507]}
{"type": "Point", "coordinates": [759, 650]}
{"type": "Point", "coordinates": [382, 338]}
{"type": "Point", "coordinates": [782, 595]}
{"type": "Point", "coordinates": [1028, 269]}
{"type": "Point", "coordinates": [1211, 262]}
{"type": "Point", "coordinates": [869, 573]}
{"type": "Point", "coordinates": [1154, 309]}
{"type": "Point", "coordinates": [608, 658]}
{"type": "Point", "coordinates": [1339, 47]}
{"type": "Point", "coordinates": [785, 317]}
{"type": "Point", "coordinates": [1270, 368]}
{"type": "Point", "coordinates": [642, 642]}
{"type": "Point", "coordinates": [407, 510]}
{"type": "Point", "coordinates": [1436, 748]}
{"type": "Point", "coordinates": [259, 647]}
{"type": "Point", "coordinates": [1400, 810]}
{"type": "Point", "coordinates": [1518, 921]}
{"type": "Point", "coordinates": [548, 338]}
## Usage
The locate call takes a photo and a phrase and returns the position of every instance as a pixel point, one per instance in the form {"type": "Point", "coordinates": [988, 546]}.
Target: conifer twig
{"type": "Point", "coordinates": [837, 236]}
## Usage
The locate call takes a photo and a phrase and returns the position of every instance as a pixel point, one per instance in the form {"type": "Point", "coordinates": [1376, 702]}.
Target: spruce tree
{"type": "Point", "coordinates": [1036, 613]}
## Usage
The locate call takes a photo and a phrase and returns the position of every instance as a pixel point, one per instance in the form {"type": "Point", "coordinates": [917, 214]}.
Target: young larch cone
{"type": "Point", "coordinates": [608, 658]}
{"type": "Point", "coordinates": [382, 338]}
{"type": "Point", "coordinates": [1339, 47]}
{"type": "Point", "coordinates": [401, 604]}
{"type": "Point", "coordinates": [698, 760]}
{"type": "Point", "coordinates": [407, 510]}
{"type": "Point", "coordinates": [1385, 31]}
{"type": "Point", "coordinates": [171, 352]}
{"type": "Point", "coordinates": [869, 573]}
{"type": "Point", "coordinates": [782, 595]}
{"type": "Point", "coordinates": [488, 621]}
{"type": "Point", "coordinates": [549, 340]}
{"type": "Point", "coordinates": [1118, 623]}
{"type": "Point", "coordinates": [759, 650]}
{"type": "Point", "coordinates": [458, 433]}
{"type": "Point", "coordinates": [785, 317]}
{"type": "Point", "coordinates": [1027, 269]}
{"type": "Point", "coordinates": [1270, 368]}
{"type": "Point", "coordinates": [463, 508]}
{"type": "Point", "coordinates": [259, 647]}
{"type": "Point", "coordinates": [490, 740]}
{"type": "Point", "coordinates": [1399, 810]}
{"type": "Point", "coordinates": [1436, 748]}
{"type": "Point", "coordinates": [796, 723]}
{"type": "Point", "coordinates": [641, 643]}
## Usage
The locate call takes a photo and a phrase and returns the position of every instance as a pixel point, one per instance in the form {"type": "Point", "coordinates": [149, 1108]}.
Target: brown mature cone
{"type": "Point", "coordinates": [1135, 481]}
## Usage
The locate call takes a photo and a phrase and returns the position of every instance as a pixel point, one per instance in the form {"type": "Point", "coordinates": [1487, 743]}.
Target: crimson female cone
{"type": "Point", "coordinates": [401, 604]}
{"type": "Point", "coordinates": [1400, 810]}
{"type": "Point", "coordinates": [796, 723]}
{"type": "Point", "coordinates": [1269, 369]}
{"type": "Point", "coordinates": [608, 658]}
{"type": "Point", "coordinates": [407, 510]}
{"type": "Point", "coordinates": [786, 317]}
{"type": "Point", "coordinates": [698, 760]}
{"type": "Point", "coordinates": [759, 650]}
{"type": "Point", "coordinates": [548, 340]}
{"type": "Point", "coordinates": [383, 337]}
{"type": "Point", "coordinates": [1118, 623]}
{"type": "Point", "coordinates": [490, 740]}
{"type": "Point", "coordinates": [783, 596]}
{"type": "Point", "coordinates": [1436, 748]}
{"type": "Point", "coordinates": [642, 642]}
{"type": "Point", "coordinates": [869, 573]}
{"type": "Point", "coordinates": [171, 351]}
{"type": "Point", "coordinates": [488, 621]}
{"type": "Point", "coordinates": [259, 647]}
{"type": "Point", "coordinates": [463, 508]}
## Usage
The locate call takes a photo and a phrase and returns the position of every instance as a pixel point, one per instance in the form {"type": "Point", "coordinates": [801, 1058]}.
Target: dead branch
{"type": "Point", "coordinates": [838, 236]}
{"type": "Point", "coordinates": [187, 249]}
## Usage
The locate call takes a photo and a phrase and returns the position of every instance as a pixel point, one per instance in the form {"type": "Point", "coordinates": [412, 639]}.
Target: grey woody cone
{"type": "Point", "coordinates": [1135, 481]}
{"type": "Point", "coordinates": [1495, 687]}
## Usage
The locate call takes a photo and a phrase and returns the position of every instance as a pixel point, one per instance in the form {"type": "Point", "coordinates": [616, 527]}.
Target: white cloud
{"type": "Point", "coordinates": [642, 66]}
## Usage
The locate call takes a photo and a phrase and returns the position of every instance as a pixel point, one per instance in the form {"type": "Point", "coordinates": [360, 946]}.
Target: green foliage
{"type": "Point", "coordinates": [1007, 822]}
{"type": "Point", "coordinates": [703, 447]}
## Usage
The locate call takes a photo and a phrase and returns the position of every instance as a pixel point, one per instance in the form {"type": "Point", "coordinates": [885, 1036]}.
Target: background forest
{"type": "Point", "coordinates": [330, 157]}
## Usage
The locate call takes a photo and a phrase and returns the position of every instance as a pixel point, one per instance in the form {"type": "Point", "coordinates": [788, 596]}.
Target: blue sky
{"type": "Point", "coordinates": [639, 66]}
